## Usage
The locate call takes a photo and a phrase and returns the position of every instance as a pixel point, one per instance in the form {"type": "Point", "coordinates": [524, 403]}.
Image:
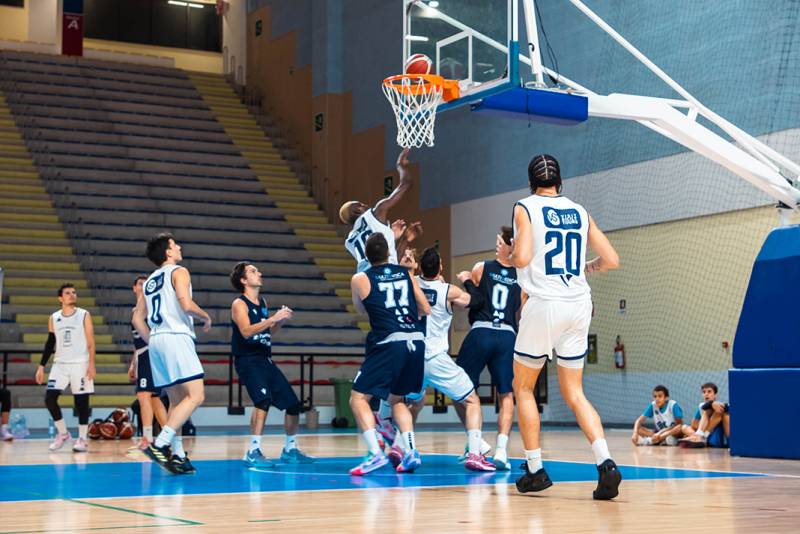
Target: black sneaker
{"type": "Point", "coordinates": [608, 481]}
{"type": "Point", "coordinates": [537, 481]}
{"type": "Point", "coordinates": [162, 456]}
{"type": "Point", "coordinates": [183, 466]}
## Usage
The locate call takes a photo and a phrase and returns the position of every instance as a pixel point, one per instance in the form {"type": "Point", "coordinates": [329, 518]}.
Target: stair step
{"type": "Point", "coordinates": [12, 281]}
{"type": "Point", "coordinates": [22, 175]}
{"type": "Point", "coordinates": [30, 232]}
{"type": "Point", "coordinates": [100, 401]}
{"type": "Point", "coordinates": [100, 339]}
{"type": "Point", "coordinates": [21, 300]}
{"type": "Point", "coordinates": [340, 262]}
{"type": "Point", "coordinates": [6, 248]}
{"type": "Point", "coordinates": [31, 319]}
{"type": "Point", "coordinates": [303, 232]}
{"type": "Point", "coordinates": [29, 217]}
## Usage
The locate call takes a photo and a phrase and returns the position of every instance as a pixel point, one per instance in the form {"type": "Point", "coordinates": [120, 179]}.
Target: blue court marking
{"type": "Point", "coordinates": [134, 479]}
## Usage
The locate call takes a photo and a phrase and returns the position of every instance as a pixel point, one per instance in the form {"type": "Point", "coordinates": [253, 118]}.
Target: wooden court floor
{"type": "Point", "coordinates": [107, 490]}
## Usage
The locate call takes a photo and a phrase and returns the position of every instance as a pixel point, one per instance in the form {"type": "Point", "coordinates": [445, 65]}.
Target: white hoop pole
{"type": "Point", "coordinates": [534, 52]}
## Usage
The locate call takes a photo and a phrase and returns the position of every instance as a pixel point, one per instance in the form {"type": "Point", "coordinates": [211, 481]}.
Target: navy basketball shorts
{"type": "Point", "coordinates": [265, 383]}
{"type": "Point", "coordinates": [392, 368]}
{"type": "Point", "coordinates": [492, 348]}
{"type": "Point", "coordinates": [144, 375]}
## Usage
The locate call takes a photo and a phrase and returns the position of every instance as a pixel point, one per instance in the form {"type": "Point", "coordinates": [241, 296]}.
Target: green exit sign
{"type": "Point", "coordinates": [388, 185]}
{"type": "Point", "coordinates": [259, 27]}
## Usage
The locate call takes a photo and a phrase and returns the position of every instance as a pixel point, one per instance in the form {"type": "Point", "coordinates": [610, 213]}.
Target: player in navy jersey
{"type": "Point", "coordinates": [493, 313]}
{"type": "Point", "coordinates": [251, 346]}
{"type": "Point", "coordinates": [394, 363]}
{"type": "Point", "coordinates": [551, 234]}
{"type": "Point", "coordinates": [147, 393]}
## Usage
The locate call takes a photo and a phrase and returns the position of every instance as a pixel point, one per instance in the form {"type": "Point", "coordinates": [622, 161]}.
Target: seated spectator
{"type": "Point", "coordinates": [710, 424]}
{"type": "Point", "coordinates": [667, 417]}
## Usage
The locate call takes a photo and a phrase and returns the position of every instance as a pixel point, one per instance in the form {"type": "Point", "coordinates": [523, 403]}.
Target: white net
{"type": "Point", "coordinates": [414, 100]}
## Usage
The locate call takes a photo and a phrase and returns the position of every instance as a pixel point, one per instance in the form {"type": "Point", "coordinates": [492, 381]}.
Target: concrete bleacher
{"type": "Point", "coordinates": [126, 151]}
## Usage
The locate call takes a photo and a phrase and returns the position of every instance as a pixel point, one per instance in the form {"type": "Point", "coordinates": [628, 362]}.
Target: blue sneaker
{"type": "Point", "coordinates": [371, 463]}
{"type": "Point", "coordinates": [294, 456]}
{"type": "Point", "coordinates": [411, 461]}
{"type": "Point", "coordinates": [256, 459]}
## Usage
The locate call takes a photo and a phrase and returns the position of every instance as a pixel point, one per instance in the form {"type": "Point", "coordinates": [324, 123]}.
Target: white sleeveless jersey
{"type": "Point", "coordinates": [164, 313]}
{"type": "Point", "coordinates": [437, 324]}
{"type": "Point", "coordinates": [70, 337]}
{"type": "Point", "coordinates": [666, 418]}
{"type": "Point", "coordinates": [560, 229]}
{"type": "Point", "coordinates": [366, 225]}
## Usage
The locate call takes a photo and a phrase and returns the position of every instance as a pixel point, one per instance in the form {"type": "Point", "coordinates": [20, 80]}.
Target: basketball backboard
{"type": "Point", "coordinates": [467, 40]}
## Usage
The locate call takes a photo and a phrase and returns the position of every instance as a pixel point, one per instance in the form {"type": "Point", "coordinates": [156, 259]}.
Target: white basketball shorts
{"type": "Point", "coordinates": [173, 360]}
{"type": "Point", "coordinates": [551, 324]}
{"type": "Point", "coordinates": [442, 373]}
{"type": "Point", "coordinates": [72, 375]}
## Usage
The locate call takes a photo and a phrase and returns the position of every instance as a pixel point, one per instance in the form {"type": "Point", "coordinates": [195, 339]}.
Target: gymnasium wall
{"type": "Point", "coordinates": [14, 23]}
{"type": "Point", "coordinates": [687, 230]}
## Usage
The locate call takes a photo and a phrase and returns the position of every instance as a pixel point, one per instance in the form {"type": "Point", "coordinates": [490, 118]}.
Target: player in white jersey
{"type": "Point", "coordinates": [163, 318]}
{"type": "Point", "coordinates": [367, 221]}
{"type": "Point", "coordinates": [441, 371]}
{"type": "Point", "coordinates": [667, 417]}
{"type": "Point", "coordinates": [549, 251]}
{"type": "Point", "coordinates": [71, 338]}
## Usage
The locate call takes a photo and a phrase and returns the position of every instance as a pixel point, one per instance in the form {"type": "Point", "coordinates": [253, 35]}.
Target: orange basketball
{"type": "Point", "coordinates": [418, 64]}
{"type": "Point", "coordinates": [108, 430]}
{"type": "Point", "coordinates": [94, 429]}
{"type": "Point", "coordinates": [125, 430]}
{"type": "Point", "coordinates": [119, 416]}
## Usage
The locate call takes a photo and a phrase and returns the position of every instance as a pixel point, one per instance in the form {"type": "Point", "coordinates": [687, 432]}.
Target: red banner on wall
{"type": "Point", "coordinates": [72, 34]}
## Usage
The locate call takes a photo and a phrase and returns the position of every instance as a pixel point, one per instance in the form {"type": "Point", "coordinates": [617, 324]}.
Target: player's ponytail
{"type": "Point", "coordinates": [544, 171]}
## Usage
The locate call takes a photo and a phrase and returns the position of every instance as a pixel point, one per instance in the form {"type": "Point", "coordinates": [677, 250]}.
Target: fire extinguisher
{"type": "Point", "coordinates": [619, 354]}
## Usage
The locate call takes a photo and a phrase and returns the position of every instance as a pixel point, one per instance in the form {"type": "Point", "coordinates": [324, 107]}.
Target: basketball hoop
{"type": "Point", "coordinates": [414, 98]}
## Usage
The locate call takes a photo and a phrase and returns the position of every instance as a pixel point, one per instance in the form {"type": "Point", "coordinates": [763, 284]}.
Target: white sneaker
{"type": "Point", "coordinates": [671, 441]}
{"type": "Point", "coordinates": [80, 445]}
{"type": "Point", "coordinates": [60, 440]}
{"type": "Point", "coordinates": [500, 460]}
{"type": "Point", "coordinates": [5, 435]}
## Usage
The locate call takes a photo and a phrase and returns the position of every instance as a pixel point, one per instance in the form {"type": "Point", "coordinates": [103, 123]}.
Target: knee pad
{"type": "Point", "coordinates": [82, 407]}
{"type": "Point", "coordinates": [263, 405]}
{"type": "Point", "coordinates": [294, 409]}
{"type": "Point", "coordinates": [51, 401]}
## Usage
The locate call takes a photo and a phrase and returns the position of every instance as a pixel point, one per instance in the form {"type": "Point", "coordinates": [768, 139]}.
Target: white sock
{"type": "Point", "coordinates": [485, 447]}
{"type": "Point", "coordinates": [61, 426]}
{"type": "Point", "coordinates": [255, 443]}
{"type": "Point", "coordinates": [165, 436]}
{"type": "Point", "coordinates": [600, 450]}
{"type": "Point", "coordinates": [385, 410]}
{"type": "Point", "coordinates": [148, 433]}
{"type": "Point", "coordinates": [177, 447]}
{"type": "Point", "coordinates": [83, 431]}
{"type": "Point", "coordinates": [644, 441]}
{"type": "Point", "coordinates": [534, 460]}
{"type": "Point", "coordinates": [474, 441]}
{"type": "Point", "coordinates": [371, 439]}
{"type": "Point", "coordinates": [398, 440]}
{"type": "Point", "coordinates": [290, 442]}
{"type": "Point", "coordinates": [502, 441]}
{"type": "Point", "coordinates": [408, 441]}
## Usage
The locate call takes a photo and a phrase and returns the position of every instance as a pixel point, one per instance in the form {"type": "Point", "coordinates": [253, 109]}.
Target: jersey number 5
{"type": "Point", "coordinates": [155, 306]}
{"type": "Point", "coordinates": [568, 244]}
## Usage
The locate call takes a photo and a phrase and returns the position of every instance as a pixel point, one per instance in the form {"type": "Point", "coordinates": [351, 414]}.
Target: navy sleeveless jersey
{"type": "Point", "coordinates": [391, 305]}
{"type": "Point", "coordinates": [501, 295]}
{"type": "Point", "coordinates": [257, 344]}
{"type": "Point", "coordinates": [138, 342]}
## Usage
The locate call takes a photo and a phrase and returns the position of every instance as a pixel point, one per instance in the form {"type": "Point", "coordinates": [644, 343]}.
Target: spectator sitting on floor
{"type": "Point", "coordinates": [711, 423]}
{"type": "Point", "coordinates": [667, 418]}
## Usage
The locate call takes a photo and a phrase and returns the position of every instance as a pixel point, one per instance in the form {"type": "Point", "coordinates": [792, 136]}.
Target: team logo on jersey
{"type": "Point", "coordinates": [154, 285]}
{"type": "Point", "coordinates": [504, 272]}
{"type": "Point", "coordinates": [567, 219]}
{"type": "Point", "coordinates": [387, 270]}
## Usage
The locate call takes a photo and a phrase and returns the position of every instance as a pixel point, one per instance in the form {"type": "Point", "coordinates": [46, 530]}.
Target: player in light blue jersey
{"type": "Point", "coordinates": [551, 235]}
{"type": "Point", "coordinates": [163, 318]}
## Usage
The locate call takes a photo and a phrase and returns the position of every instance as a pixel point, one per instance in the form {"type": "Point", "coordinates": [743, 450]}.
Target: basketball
{"type": "Point", "coordinates": [119, 416]}
{"type": "Point", "coordinates": [418, 64]}
{"type": "Point", "coordinates": [108, 430]}
{"type": "Point", "coordinates": [125, 430]}
{"type": "Point", "coordinates": [94, 429]}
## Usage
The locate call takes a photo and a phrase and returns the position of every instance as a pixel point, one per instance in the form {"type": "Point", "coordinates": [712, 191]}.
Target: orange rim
{"type": "Point", "coordinates": [424, 83]}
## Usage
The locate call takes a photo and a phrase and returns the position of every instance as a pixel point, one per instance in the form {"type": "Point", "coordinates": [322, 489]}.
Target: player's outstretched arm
{"type": "Point", "coordinates": [359, 287]}
{"type": "Point", "coordinates": [607, 258]}
{"type": "Point", "coordinates": [381, 209]}
{"type": "Point", "coordinates": [423, 306]}
{"type": "Point", "coordinates": [182, 281]}
{"type": "Point", "coordinates": [88, 328]}
{"type": "Point", "coordinates": [458, 297]}
{"type": "Point", "coordinates": [139, 320]}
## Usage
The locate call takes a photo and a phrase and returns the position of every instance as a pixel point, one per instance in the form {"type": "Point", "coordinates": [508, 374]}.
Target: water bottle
{"type": "Point", "coordinates": [51, 428]}
{"type": "Point", "coordinates": [19, 426]}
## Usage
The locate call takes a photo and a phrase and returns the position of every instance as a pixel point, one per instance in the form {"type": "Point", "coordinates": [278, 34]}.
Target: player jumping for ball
{"type": "Point", "coordinates": [549, 250]}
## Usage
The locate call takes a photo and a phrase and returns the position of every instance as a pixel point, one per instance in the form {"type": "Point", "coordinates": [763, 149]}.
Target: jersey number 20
{"type": "Point", "coordinates": [568, 244]}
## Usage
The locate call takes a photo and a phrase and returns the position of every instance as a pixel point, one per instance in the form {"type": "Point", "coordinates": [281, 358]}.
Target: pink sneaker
{"type": "Point", "coordinates": [395, 455]}
{"type": "Point", "coordinates": [478, 462]}
{"type": "Point", "coordinates": [80, 445]}
{"type": "Point", "coordinates": [386, 429]}
{"type": "Point", "coordinates": [60, 440]}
